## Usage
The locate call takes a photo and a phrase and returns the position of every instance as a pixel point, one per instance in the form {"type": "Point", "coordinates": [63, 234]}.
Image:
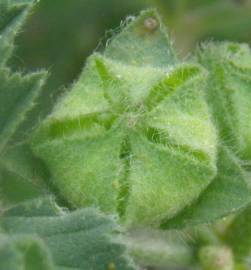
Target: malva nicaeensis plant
{"type": "Point", "coordinates": [153, 139]}
{"type": "Point", "coordinates": [173, 136]}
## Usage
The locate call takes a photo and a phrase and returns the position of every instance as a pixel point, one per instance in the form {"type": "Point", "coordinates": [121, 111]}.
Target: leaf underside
{"type": "Point", "coordinates": [80, 239]}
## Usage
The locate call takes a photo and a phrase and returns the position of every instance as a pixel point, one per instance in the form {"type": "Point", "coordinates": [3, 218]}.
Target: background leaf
{"type": "Point", "coordinates": [238, 235]}
{"type": "Point", "coordinates": [18, 94]}
{"type": "Point", "coordinates": [12, 15]}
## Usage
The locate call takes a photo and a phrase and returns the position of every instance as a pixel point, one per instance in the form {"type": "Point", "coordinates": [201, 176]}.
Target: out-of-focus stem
{"type": "Point", "coordinates": [159, 249]}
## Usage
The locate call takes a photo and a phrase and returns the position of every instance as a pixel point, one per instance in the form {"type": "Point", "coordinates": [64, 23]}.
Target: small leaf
{"type": "Point", "coordinates": [83, 239]}
{"type": "Point", "coordinates": [17, 93]}
{"type": "Point", "coordinates": [21, 175]}
{"type": "Point", "coordinates": [17, 96]}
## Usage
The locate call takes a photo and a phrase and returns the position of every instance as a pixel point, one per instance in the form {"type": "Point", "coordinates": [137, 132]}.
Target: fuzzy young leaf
{"type": "Point", "coordinates": [18, 94]}
{"type": "Point", "coordinates": [83, 239]}
{"type": "Point", "coordinates": [238, 235]}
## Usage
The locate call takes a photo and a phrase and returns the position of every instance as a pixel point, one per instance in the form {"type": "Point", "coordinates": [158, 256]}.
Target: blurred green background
{"type": "Point", "coordinates": [60, 34]}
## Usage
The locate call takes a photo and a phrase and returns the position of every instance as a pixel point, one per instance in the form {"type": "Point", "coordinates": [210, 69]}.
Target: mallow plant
{"type": "Point", "coordinates": [143, 162]}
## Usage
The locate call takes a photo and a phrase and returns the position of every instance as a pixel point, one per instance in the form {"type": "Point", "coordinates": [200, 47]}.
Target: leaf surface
{"type": "Point", "coordinates": [82, 239]}
{"type": "Point", "coordinates": [12, 15]}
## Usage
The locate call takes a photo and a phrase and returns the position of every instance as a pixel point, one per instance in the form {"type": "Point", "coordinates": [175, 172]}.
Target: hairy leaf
{"type": "Point", "coordinates": [18, 94]}
{"type": "Point", "coordinates": [12, 15]}
{"type": "Point", "coordinates": [83, 239]}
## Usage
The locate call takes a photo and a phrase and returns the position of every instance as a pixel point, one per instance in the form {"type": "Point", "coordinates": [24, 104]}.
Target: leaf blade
{"type": "Point", "coordinates": [17, 97]}
{"type": "Point", "coordinates": [83, 239]}
{"type": "Point", "coordinates": [12, 15]}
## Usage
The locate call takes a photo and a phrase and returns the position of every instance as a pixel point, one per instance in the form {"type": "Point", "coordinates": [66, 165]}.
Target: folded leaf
{"type": "Point", "coordinates": [17, 92]}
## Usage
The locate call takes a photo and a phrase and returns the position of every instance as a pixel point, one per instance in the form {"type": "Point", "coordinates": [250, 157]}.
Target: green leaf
{"type": "Point", "coordinates": [12, 15]}
{"type": "Point", "coordinates": [227, 194]}
{"type": "Point", "coordinates": [17, 96]}
{"type": "Point", "coordinates": [83, 239]}
{"type": "Point", "coordinates": [21, 252]}
{"type": "Point", "coordinates": [21, 175]}
{"type": "Point", "coordinates": [17, 92]}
